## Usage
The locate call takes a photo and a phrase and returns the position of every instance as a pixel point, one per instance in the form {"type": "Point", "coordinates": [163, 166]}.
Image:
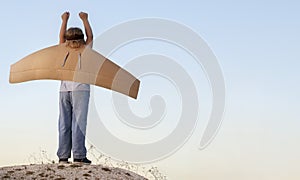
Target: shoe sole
{"type": "Point", "coordinates": [62, 162]}
{"type": "Point", "coordinates": [81, 163]}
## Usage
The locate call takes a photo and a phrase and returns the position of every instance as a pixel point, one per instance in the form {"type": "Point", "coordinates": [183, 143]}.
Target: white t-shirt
{"type": "Point", "coordinates": [73, 86]}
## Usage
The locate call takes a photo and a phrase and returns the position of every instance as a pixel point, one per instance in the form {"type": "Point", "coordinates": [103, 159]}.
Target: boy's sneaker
{"type": "Point", "coordinates": [83, 161]}
{"type": "Point", "coordinates": [63, 161]}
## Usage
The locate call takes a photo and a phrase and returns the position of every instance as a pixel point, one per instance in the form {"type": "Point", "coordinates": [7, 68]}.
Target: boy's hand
{"type": "Point", "coordinates": [65, 16]}
{"type": "Point", "coordinates": [83, 16]}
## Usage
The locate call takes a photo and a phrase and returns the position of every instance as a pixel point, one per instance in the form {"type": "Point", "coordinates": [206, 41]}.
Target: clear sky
{"type": "Point", "coordinates": [257, 46]}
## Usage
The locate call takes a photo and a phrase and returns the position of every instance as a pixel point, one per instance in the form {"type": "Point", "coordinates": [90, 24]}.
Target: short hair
{"type": "Point", "coordinates": [74, 37]}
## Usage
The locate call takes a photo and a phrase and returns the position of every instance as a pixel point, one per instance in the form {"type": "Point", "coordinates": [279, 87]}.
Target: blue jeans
{"type": "Point", "coordinates": [73, 107]}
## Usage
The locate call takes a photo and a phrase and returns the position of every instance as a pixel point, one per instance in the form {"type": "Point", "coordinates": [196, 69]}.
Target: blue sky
{"type": "Point", "coordinates": [256, 43]}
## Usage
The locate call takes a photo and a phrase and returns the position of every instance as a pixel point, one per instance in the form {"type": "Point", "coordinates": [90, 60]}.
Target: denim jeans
{"type": "Point", "coordinates": [73, 107]}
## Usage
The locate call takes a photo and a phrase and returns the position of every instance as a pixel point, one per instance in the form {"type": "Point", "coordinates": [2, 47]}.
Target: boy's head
{"type": "Point", "coordinates": [74, 37]}
{"type": "Point", "coordinates": [74, 33]}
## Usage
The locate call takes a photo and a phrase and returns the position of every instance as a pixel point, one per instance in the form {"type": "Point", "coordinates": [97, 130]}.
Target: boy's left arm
{"type": "Point", "coordinates": [65, 17]}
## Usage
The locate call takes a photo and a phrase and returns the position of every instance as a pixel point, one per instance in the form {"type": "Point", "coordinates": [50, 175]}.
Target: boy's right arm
{"type": "Point", "coordinates": [63, 28]}
{"type": "Point", "coordinates": [87, 27]}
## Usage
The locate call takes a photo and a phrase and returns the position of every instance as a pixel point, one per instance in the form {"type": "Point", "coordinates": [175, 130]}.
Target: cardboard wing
{"type": "Point", "coordinates": [82, 65]}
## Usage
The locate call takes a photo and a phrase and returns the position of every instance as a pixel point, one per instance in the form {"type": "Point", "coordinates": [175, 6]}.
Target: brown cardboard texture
{"type": "Point", "coordinates": [83, 65]}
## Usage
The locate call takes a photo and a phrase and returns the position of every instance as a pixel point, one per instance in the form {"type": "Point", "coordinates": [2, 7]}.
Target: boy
{"type": "Point", "coordinates": [73, 98]}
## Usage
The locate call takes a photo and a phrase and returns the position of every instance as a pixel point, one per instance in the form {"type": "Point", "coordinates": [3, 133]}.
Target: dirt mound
{"type": "Point", "coordinates": [67, 171]}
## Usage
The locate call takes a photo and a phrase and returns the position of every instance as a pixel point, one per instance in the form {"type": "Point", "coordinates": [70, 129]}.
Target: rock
{"type": "Point", "coordinates": [67, 171]}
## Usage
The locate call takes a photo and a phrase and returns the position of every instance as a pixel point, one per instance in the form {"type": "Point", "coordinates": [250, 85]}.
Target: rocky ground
{"type": "Point", "coordinates": [67, 171]}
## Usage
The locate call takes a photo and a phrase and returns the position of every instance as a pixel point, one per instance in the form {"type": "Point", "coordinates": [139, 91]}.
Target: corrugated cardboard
{"type": "Point", "coordinates": [82, 65]}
